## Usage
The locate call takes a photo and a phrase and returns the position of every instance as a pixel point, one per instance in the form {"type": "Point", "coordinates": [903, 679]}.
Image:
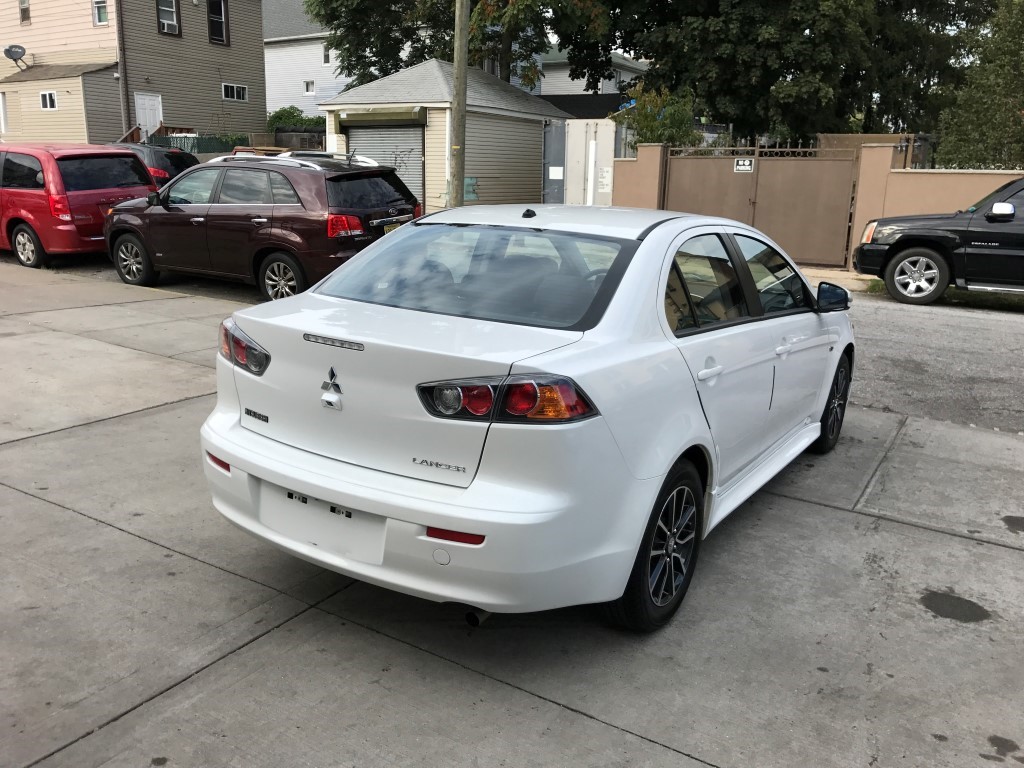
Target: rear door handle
{"type": "Point", "coordinates": [783, 349]}
{"type": "Point", "coordinates": [259, 220]}
{"type": "Point", "coordinates": [197, 219]}
{"type": "Point", "coordinates": [708, 373]}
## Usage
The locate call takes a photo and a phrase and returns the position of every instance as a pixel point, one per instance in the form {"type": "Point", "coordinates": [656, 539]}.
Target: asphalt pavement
{"type": "Point", "coordinates": [864, 609]}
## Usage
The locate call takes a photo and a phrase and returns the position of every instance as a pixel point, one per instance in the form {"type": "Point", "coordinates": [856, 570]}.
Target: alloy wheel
{"type": "Point", "coordinates": [25, 247]}
{"type": "Point", "coordinates": [129, 258]}
{"type": "Point", "coordinates": [837, 397]}
{"type": "Point", "coordinates": [917, 277]}
{"type": "Point", "coordinates": [280, 281]}
{"type": "Point", "coordinates": [672, 546]}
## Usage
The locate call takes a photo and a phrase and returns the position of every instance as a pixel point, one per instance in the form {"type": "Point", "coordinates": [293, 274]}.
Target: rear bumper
{"type": "Point", "coordinates": [65, 238]}
{"type": "Point", "coordinates": [869, 258]}
{"type": "Point", "coordinates": [548, 544]}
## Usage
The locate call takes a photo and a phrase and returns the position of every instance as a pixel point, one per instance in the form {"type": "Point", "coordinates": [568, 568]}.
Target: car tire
{"type": "Point", "coordinates": [917, 276]}
{"type": "Point", "coordinates": [650, 600]}
{"type": "Point", "coordinates": [835, 409]}
{"type": "Point", "coordinates": [132, 262]}
{"type": "Point", "coordinates": [280, 276]}
{"type": "Point", "coordinates": [27, 247]}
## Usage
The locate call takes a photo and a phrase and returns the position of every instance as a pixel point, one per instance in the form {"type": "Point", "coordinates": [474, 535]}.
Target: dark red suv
{"type": "Point", "coordinates": [54, 197]}
{"type": "Point", "coordinates": [282, 223]}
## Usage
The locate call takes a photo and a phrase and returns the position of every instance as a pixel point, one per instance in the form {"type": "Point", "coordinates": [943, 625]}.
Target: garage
{"type": "Point", "coordinates": [398, 146]}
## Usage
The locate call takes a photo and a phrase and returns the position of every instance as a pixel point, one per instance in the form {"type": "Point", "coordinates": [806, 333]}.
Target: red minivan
{"type": "Point", "coordinates": [54, 197]}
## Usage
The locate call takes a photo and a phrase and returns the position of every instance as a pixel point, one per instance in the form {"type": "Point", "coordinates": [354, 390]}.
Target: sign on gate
{"type": "Point", "coordinates": [743, 165]}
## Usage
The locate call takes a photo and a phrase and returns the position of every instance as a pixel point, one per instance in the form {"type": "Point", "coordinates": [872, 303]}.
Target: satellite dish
{"type": "Point", "coordinates": [14, 52]}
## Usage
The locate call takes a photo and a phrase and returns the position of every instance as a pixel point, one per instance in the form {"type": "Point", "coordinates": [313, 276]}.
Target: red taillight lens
{"type": "Point", "coordinates": [521, 398]}
{"type": "Point", "coordinates": [237, 347]}
{"type": "Point", "coordinates": [60, 207]}
{"type": "Point", "coordinates": [417, 211]}
{"type": "Point", "coordinates": [478, 400]}
{"type": "Point", "coordinates": [459, 536]}
{"type": "Point", "coordinates": [159, 174]}
{"type": "Point", "coordinates": [220, 463]}
{"type": "Point", "coordinates": [340, 225]}
{"type": "Point", "coordinates": [527, 399]}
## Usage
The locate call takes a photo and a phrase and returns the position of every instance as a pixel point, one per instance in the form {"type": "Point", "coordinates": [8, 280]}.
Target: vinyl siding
{"type": "Point", "coordinates": [505, 156]}
{"type": "Point", "coordinates": [435, 161]}
{"type": "Point", "coordinates": [188, 71]}
{"type": "Point", "coordinates": [558, 83]}
{"type": "Point", "coordinates": [288, 65]}
{"type": "Point", "coordinates": [102, 107]}
{"type": "Point", "coordinates": [61, 32]}
{"type": "Point", "coordinates": [66, 123]}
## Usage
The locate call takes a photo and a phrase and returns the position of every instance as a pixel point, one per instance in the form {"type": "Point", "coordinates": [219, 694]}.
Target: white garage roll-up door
{"type": "Point", "coordinates": [400, 147]}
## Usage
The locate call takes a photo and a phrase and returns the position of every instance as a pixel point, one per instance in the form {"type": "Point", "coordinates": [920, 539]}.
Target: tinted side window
{"type": "Point", "coordinates": [22, 172]}
{"type": "Point", "coordinates": [82, 174]}
{"type": "Point", "coordinates": [194, 189]}
{"type": "Point", "coordinates": [778, 284]}
{"type": "Point", "coordinates": [245, 187]}
{"type": "Point", "coordinates": [284, 192]}
{"type": "Point", "coordinates": [713, 285]}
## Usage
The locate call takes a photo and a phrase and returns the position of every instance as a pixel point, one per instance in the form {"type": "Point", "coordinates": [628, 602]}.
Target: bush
{"type": "Point", "coordinates": [292, 117]}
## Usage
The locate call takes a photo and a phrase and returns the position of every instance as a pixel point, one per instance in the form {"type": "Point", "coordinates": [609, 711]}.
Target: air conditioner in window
{"type": "Point", "coordinates": [169, 27]}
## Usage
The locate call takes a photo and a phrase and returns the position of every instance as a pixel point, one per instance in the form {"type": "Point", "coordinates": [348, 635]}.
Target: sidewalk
{"type": "Point", "coordinates": [850, 280]}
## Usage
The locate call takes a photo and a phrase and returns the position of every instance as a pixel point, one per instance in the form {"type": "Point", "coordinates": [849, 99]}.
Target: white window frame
{"type": "Point", "coordinates": [309, 87]}
{"type": "Point", "coordinates": [24, 12]}
{"type": "Point", "coordinates": [176, 10]}
{"type": "Point", "coordinates": [3, 112]}
{"type": "Point", "coordinates": [224, 92]}
{"type": "Point", "coordinates": [326, 59]}
{"type": "Point", "coordinates": [96, 5]}
{"type": "Point", "coordinates": [51, 100]}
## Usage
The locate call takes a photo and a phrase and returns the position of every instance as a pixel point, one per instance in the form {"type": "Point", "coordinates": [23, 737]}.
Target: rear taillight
{"type": "Point", "coordinates": [417, 211]}
{"type": "Point", "coordinates": [525, 399]}
{"type": "Point", "coordinates": [340, 225]}
{"type": "Point", "coordinates": [60, 207]}
{"type": "Point", "coordinates": [239, 349]}
{"type": "Point", "coordinates": [159, 174]}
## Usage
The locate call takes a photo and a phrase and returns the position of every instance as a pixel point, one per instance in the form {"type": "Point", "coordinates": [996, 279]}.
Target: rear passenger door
{"type": "Point", "coordinates": [240, 221]}
{"type": "Point", "coordinates": [799, 338]}
{"type": "Point", "coordinates": [725, 348]}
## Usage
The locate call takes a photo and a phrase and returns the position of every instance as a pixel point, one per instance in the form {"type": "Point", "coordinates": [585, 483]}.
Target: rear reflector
{"type": "Point", "coordinates": [218, 462]}
{"type": "Point", "coordinates": [458, 536]}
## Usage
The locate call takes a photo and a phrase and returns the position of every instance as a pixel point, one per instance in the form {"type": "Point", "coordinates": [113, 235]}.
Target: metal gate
{"type": "Point", "coordinates": [398, 146]}
{"type": "Point", "coordinates": [801, 198]}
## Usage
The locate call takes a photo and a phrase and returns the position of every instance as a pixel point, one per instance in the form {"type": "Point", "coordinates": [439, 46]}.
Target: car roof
{"type": "Point", "coordinates": [622, 223]}
{"type": "Point", "coordinates": [67, 150]}
{"type": "Point", "coordinates": [330, 165]}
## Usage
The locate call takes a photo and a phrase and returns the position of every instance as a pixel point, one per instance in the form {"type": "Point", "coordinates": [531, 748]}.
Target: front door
{"type": "Point", "coordinates": [177, 228]}
{"type": "Point", "coordinates": [149, 112]}
{"type": "Point", "coordinates": [240, 221]}
{"type": "Point", "coordinates": [728, 353]}
{"type": "Point", "coordinates": [995, 247]}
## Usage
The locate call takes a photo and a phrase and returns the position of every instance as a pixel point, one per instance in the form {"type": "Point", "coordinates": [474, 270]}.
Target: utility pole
{"type": "Point", "coordinates": [457, 155]}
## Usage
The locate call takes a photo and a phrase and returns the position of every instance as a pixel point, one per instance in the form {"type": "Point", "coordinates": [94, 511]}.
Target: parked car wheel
{"type": "Point", "coordinates": [917, 276]}
{"type": "Point", "coordinates": [27, 247]}
{"type": "Point", "coordinates": [281, 276]}
{"type": "Point", "coordinates": [835, 409]}
{"type": "Point", "coordinates": [668, 554]}
{"type": "Point", "coordinates": [132, 261]}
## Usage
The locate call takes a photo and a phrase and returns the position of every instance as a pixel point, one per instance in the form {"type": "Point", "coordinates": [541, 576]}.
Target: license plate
{"type": "Point", "coordinates": [390, 227]}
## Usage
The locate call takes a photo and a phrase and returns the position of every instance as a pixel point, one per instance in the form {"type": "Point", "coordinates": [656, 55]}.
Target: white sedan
{"type": "Point", "coordinates": [520, 408]}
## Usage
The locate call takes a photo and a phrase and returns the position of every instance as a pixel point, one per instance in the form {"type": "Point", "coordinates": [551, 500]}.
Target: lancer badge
{"type": "Point", "coordinates": [331, 397]}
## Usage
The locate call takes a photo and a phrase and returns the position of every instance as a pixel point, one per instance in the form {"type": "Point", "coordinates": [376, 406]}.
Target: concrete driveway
{"type": "Point", "coordinates": [865, 609]}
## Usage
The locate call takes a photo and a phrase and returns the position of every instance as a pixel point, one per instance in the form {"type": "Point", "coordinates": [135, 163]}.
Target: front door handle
{"type": "Point", "coordinates": [197, 219]}
{"type": "Point", "coordinates": [259, 220]}
{"type": "Point", "coordinates": [708, 373]}
{"type": "Point", "coordinates": [781, 350]}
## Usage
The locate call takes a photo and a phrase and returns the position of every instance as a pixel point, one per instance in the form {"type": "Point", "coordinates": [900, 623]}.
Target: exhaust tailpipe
{"type": "Point", "coordinates": [475, 616]}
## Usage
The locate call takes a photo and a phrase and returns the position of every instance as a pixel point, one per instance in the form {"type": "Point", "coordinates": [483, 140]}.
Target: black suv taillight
{"type": "Point", "coordinates": [526, 399]}
{"type": "Point", "coordinates": [237, 347]}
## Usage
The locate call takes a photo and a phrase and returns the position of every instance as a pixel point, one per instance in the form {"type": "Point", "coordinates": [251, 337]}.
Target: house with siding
{"type": "Point", "coordinates": [404, 120]}
{"type": "Point", "coordinates": [95, 69]}
{"type": "Point", "coordinates": [558, 83]}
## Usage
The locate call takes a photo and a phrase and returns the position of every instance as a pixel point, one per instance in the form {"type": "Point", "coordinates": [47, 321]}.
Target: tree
{"type": "Point", "coordinates": [985, 124]}
{"type": "Point", "coordinates": [373, 39]}
{"type": "Point", "coordinates": [659, 117]}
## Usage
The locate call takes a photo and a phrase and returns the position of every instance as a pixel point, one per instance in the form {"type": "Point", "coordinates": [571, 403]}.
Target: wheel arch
{"type": "Point", "coordinates": [940, 245]}
{"type": "Point", "coordinates": [701, 458]}
{"type": "Point", "coordinates": [269, 250]}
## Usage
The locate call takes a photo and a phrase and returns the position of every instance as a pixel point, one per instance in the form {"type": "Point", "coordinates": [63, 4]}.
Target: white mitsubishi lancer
{"type": "Point", "coordinates": [520, 408]}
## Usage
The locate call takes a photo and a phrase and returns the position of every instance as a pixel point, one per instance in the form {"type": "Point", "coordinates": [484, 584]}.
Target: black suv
{"type": "Point", "coordinates": [980, 249]}
{"type": "Point", "coordinates": [164, 163]}
{"type": "Point", "coordinates": [282, 223]}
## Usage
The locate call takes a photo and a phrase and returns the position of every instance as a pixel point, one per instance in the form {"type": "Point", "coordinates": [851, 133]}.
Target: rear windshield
{"type": "Point", "coordinates": [523, 276]}
{"type": "Point", "coordinates": [376, 191]}
{"type": "Point", "coordinates": [175, 162]}
{"type": "Point", "coordinates": [81, 174]}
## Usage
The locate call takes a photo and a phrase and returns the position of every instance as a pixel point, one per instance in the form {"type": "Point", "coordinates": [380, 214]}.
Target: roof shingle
{"type": "Point", "coordinates": [55, 71]}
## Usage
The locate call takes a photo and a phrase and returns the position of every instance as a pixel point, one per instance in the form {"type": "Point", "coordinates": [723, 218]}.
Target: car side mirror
{"type": "Point", "coordinates": [1001, 212]}
{"type": "Point", "coordinates": [832, 298]}
{"type": "Point", "coordinates": [153, 199]}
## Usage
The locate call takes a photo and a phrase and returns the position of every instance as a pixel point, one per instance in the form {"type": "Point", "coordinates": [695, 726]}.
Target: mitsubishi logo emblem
{"type": "Point", "coordinates": [331, 397]}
